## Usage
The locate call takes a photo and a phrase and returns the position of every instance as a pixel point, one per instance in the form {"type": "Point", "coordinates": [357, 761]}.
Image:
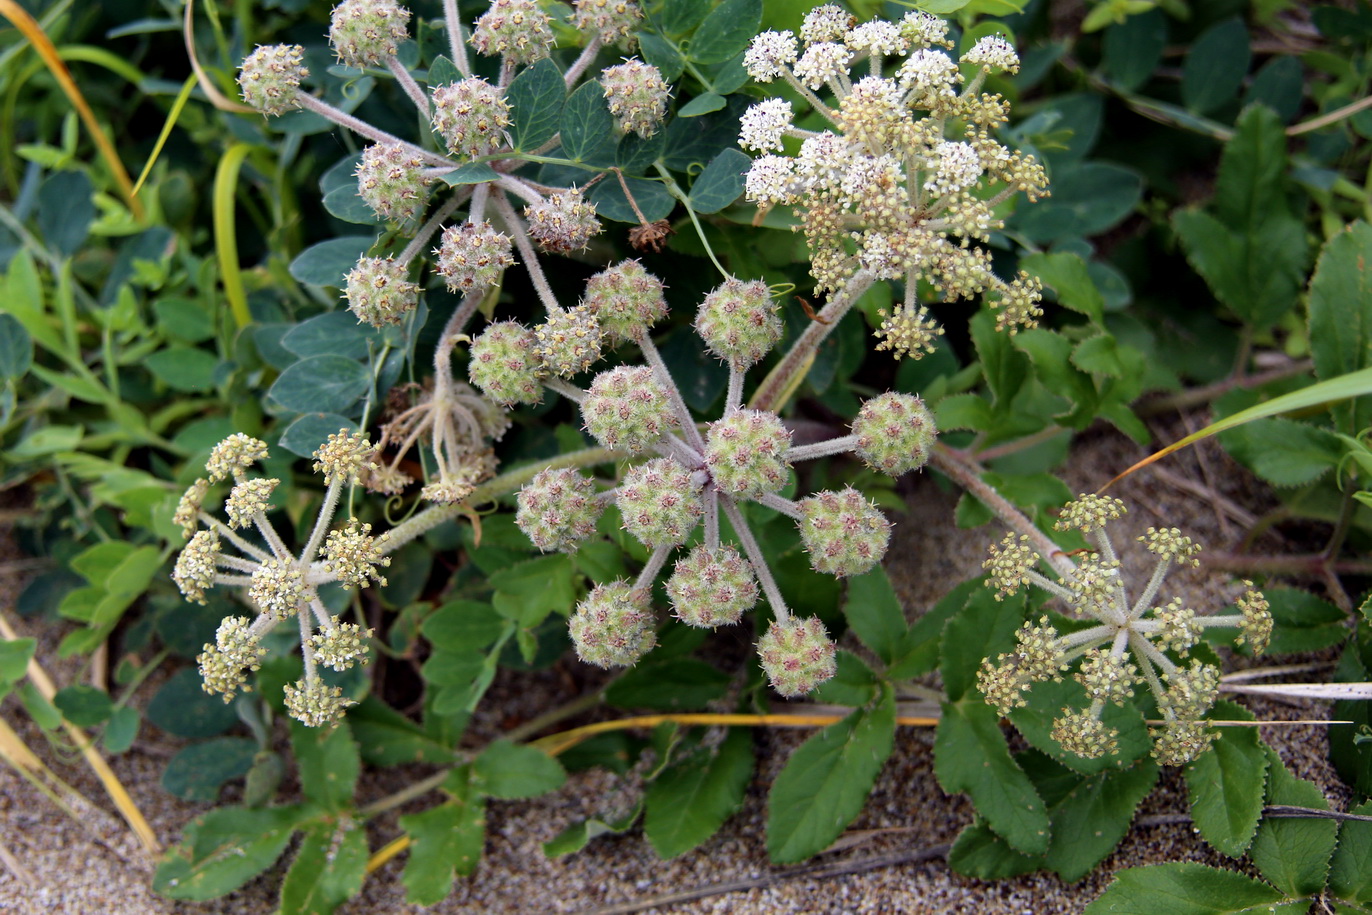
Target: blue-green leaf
{"type": "Point", "coordinates": [535, 97]}
{"type": "Point", "coordinates": [328, 262]}
{"type": "Point", "coordinates": [16, 347]}
{"type": "Point", "coordinates": [337, 333]}
{"type": "Point", "coordinates": [201, 769]}
{"type": "Point", "coordinates": [325, 384]}
{"type": "Point", "coordinates": [721, 183]}
{"type": "Point", "coordinates": [726, 31]}
{"type": "Point", "coordinates": [310, 430]}
{"type": "Point", "coordinates": [588, 130]}
{"type": "Point", "coordinates": [223, 850]}
{"type": "Point", "coordinates": [1215, 66]}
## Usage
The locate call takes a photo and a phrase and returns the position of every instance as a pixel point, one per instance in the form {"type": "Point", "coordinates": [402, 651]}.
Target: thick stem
{"type": "Point", "coordinates": [756, 559]}
{"type": "Point", "coordinates": [269, 534]}
{"type": "Point", "coordinates": [228, 534]}
{"type": "Point", "coordinates": [781, 379]}
{"type": "Point", "coordinates": [712, 518]}
{"type": "Point", "coordinates": [306, 649]}
{"type": "Point", "coordinates": [412, 89]}
{"type": "Point", "coordinates": [734, 399]}
{"type": "Point", "coordinates": [583, 61]}
{"type": "Point", "coordinates": [564, 387]}
{"type": "Point", "coordinates": [664, 378]}
{"type": "Point", "coordinates": [822, 449]}
{"type": "Point", "coordinates": [359, 126]}
{"type": "Point", "coordinates": [426, 231]}
{"type": "Point", "coordinates": [520, 234]}
{"type": "Point", "coordinates": [456, 44]}
{"type": "Point", "coordinates": [321, 524]}
{"type": "Point", "coordinates": [654, 565]}
{"type": "Point", "coordinates": [779, 504]}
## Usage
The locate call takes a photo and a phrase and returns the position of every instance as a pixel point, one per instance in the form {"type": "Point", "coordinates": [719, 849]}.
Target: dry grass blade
{"type": "Point", "coordinates": [1336, 691]}
{"type": "Point", "coordinates": [30, 29]}
{"type": "Point", "coordinates": [207, 86]}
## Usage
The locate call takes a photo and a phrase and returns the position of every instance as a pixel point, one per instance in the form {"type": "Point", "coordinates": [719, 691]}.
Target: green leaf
{"type": "Point", "coordinates": [853, 683]}
{"type": "Point", "coordinates": [963, 411]}
{"type": "Point", "coordinates": [688, 802]}
{"type": "Point", "coordinates": [223, 850]}
{"type": "Point", "coordinates": [310, 430]}
{"type": "Point", "coordinates": [446, 838]}
{"type": "Point", "coordinates": [443, 72]}
{"type": "Point", "coordinates": [1046, 702]}
{"type": "Point", "coordinates": [636, 154]}
{"type": "Point", "coordinates": [45, 441]}
{"type": "Point", "coordinates": [1133, 48]}
{"type": "Point", "coordinates": [1183, 889]}
{"type": "Point", "coordinates": [1284, 452]}
{"type": "Point", "coordinates": [387, 738]}
{"type": "Point", "coordinates": [510, 770]}
{"type": "Point", "coordinates": [875, 614]}
{"type": "Point", "coordinates": [1090, 819]}
{"type": "Point", "coordinates": [726, 31]}
{"type": "Point", "coordinates": [1350, 871]}
{"type": "Point", "coordinates": [662, 54]}
{"type": "Point", "coordinates": [321, 384]}
{"type": "Point", "coordinates": [1066, 274]}
{"type": "Point", "coordinates": [979, 852]}
{"type": "Point", "coordinates": [984, 628]}
{"type": "Point", "coordinates": [672, 684]}
{"type": "Point", "coordinates": [1088, 199]}
{"type": "Point", "coordinates": [65, 211]}
{"type": "Point", "coordinates": [575, 837]}
{"type": "Point", "coordinates": [183, 368]}
{"type": "Point", "coordinates": [691, 143]}
{"type": "Point", "coordinates": [326, 263]}
{"type": "Point", "coordinates": [1226, 784]}
{"type": "Point", "coordinates": [1004, 367]}
{"type": "Point", "coordinates": [471, 173]}
{"type": "Point", "coordinates": [188, 320]}
{"type": "Point", "coordinates": [529, 591]}
{"type": "Point", "coordinates": [347, 204]}
{"type": "Point", "coordinates": [334, 333]}
{"type": "Point", "coordinates": [16, 347]}
{"type": "Point", "coordinates": [919, 651]}
{"type": "Point", "coordinates": [1303, 622]}
{"type": "Point", "coordinates": [971, 755]}
{"type": "Point", "coordinates": [654, 200]}
{"type": "Point", "coordinates": [182, 708]}
{"type": "Point", "coordinates": [588, 130]}
{"type": "Point", "coordinates": [1293, 854]}
{"type": "Point", "coordinates": [14, 659]}
{"type": "Point", "coordinates": [201, 769]}
{"type": "Point", "coordinates": [721, 183]}
{"type": "Point", "coordinates": [463, 625]}
{"type": "Point", "coordinates": [826, 781]}
{"type": "Point", "coordinates": [84, 706]}
{"type": "Point", "coordinates": [122, 730]}
{"type": "Point", "coordinates": [535, 97]}
{"type": "Point", "coordinates": [1340, 310]}
{"type": "Point", "coordinates": [327, 871]}
{"type": "Point", "coordinates": [1216, 65]}
{"type": "Point", "coordinates": [328, 763]}
{"type": "Point", "coordinates": [702, 104]}
{"type": "Point", "coordinates": [680, 16]}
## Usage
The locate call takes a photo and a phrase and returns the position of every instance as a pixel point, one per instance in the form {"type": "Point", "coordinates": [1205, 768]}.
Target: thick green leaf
{"type": "Point", "coordinates": [1341, 317]}
{"type": "Point", "coordinates": [875, 614]}
{"type": "Point", "coordinates": [575, 837]}
{"type": "Point", "coordinates": [1088, 198]}
{"type": "Point", "coordinates": [1284, 452]}
{"type": "Point", "coordinates": [984, 628]}
{"type": "Point", "coordinates": [471, 173]}
{"type": "Point", "coordinates": [463, 625]}
{"type": "Point", "coordinates": [387, 738]}
{"type": "Point", "coordinates": [1293, 854]}
{"type": "Point", "coordinates": [853, 683]}
{"type": "Point", "coordinates": [1184, 889]}
{"type": "Point", "coordinates": [122, 730]}
{"type": "Point", "coordinates": [310, 430]}
{"type": "Point", "coordinates": [1350, 871]}
{"type": "Point", "coordinates": [979, 852]}
{"type": "Point", "coordinates": [1091, 818]}
{"type": "Point", "coordinates": [447, 839]}
{"type": "Point", "coordinates": [1226, 784]}
{"type": "Point", "coordinates": [347, 204]}
{"type": "Point", "coordinates": [919, 650]}
{"type": "Point", "coordinates": [726, 31]}
{"type": "Point", "coordinates": [328, 763]}
{"type": "Point", "coordinates": [510, 770]}
{"type": "Point", "coordinates": [16, 347]}
{"type": "Point", "coordinates": [588, 130]}
{"type": "Point", "coordinates": [1256, 271]}
{"type": "Point", "coordinates": [1133, 48]}
{"type": "Point", "coordinates": [327, 870]}
{"type": "Point", "coordinates": [65, 211]}
{"type": "Point", "coordinates": [971, 755]}
{"type": "Point", "coordinates": [529, 591]}
{"type": "Point", "coordinates": [14, 659]}
{"type": "Point", "coordinates": [223, 850]}
{"type": "Point", "coordinates": [535, 97]}
{"type": "Point", "coordinates": [691, 143]}
{"type": "Point", "coordinates": [326, 263]}
{"type": "Point", "coordinates": [653, 199]}
{"type": "Point", "coordinates": [688, 803]}
{"type": "Point", "coordinates": [201, 769]}
{"type": "Point", "coordinates": [722, 181]}
{"type": "Point", "coordinates": [1067, 276]}
{"type": "Point", "coordinates": [1303, 622]}
{"type": "Point", "coordinates": [182, 708]}
{"type": "Point", "coordinates": [1216, 65]}
{"type": "Point", "coordinates": [321, 384]}
{"type": "Point", "coordinates": [680, 16]}
{"type": "Point", "coordinates": [702, 104]}
{"type": "Point", "coordinates": [826, 781]}
{"type": "Point", "coordinates": [183, 368]}
{"type": "Point", "coordinates": [84, 706]}
{"type": "Point", "coordinates": [636, 154]}
{"type": "Point", "coordinates": [670, 684]}
{"type": "Point", "coordinates": [662, 54]}
{"type": "Point", "coordinates": [334, 333]}
{"type": "Point", "coordinates": [1003, 366]}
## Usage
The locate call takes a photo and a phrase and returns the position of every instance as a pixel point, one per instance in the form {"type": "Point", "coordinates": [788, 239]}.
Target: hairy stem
{"type": "Point", "coordinates": [359, 126]}
{"type": "Point", "coordinates": [756, 558]}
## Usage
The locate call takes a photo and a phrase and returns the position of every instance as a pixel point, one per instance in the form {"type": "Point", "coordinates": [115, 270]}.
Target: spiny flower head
{"type": "Point", "coordinates": [797, 655]}
{"type": "Point", "coordinates": [270, 78]}
{"type": "Point", "coordinates": [390, 180]}
{"type": "Point", "coordinates": [711, 588]}
{"type": "Point", "coordinates": [562, 221]}
{"type": "Point", "coordinates": [189, 506]}
{"type": "Point", "coordinates": [739, 322]}
{"type": "Point", "coordinates": [568, 341]}
{"type": "Point", "coordinates": [636, 95]}
{"type": "Point", "coordinates": [471, 116]}
{"type": "Point", "coordinates": [353, 555]}
{"type": "Point", "coordinates": [365, 33]}
{"type": "Point", "coordinates": [627, 410]}
{"type": "Point", "coordinates": [247, 499]}
{"type": "Point", "coordinates": [844, 534]}
{"type": "Point", "coordinates": [745, 453]}
{"type": "Point", "coordinates": [195, 565]}
{"type": "Point", "coordinates": [316, 704]}
{"type": "Point", "coordinates": [473, 257]}
{"type": "Point", "coordinates": [764, 124]}
{"type": "Point", "coordinates": [1256, 628]}
{"type": "Point", "coordinates": [660, 503]}
{"type": "Point", "coordinates": [234, 455]}
{"type": "Point", "coordinates": [1085, 735]}
{"type": "Point", "coordinates": [894, 433]}
{"type": "Point", "coordinates": [626, 300]}
{"type": "Point", "coordinates": [1088, 513]}
{"type": "Point", "coordinates": [613, 626]}
{"type": "Point", "coordinates": [557, 509]}
{"type": "Point", "coordinates": [379, 292]}
{"type": "Point", "coordinates": [344, 457]}
{"type": "Point", "coordinates": [612, 21]}
{"type": "Point", "coordinates": [278, 588]}
{"type": "Point", "coordinates": [340, 645]}
{"type": "Point", "coordinates": [517, 29]}
{"type": "Point", "coordinates": [504, 363]}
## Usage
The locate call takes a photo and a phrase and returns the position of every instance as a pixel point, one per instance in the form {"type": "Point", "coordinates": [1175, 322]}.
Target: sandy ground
{"type": "Point", "coordinates": [53, 863]}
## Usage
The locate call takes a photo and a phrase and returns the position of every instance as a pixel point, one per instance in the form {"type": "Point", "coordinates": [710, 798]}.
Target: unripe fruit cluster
{"type": "Point", "coordinates": [557, 509]}
{"type": "Point", "coordinates": [270, 78]}
{"type": "Point", "coordinates": [738, 322]}
{"type": "Point", "coordinates": [471, 116]}
{"type": "Point", "coordinates": [472, 257]}
{"type": "Point", "coordinates": [562, 221]}
{"type": "Point", "coordinates": [504, 364]}
{"type": "Point", "coordinates": [568, 341]}
{"type": "Point", "coordinates": [797, 655]}
{"type": "Point", "coordinates": [390, 180]}
{"type": "Point", "coordinates": [636, 95]}
{"type": "Point", "coordinates": [660, 503]}
{"type": "Point", "coordinates": [894, 433]}
{"type": "Point", "coordinates": [626, 299]}
{"type": "Point", "coordinates": [365, 33]}
{"type": "Point", "coordinates": [518, 29]}
{"type": "Point", "coordinates": [843, 532]}
{"type": "Point", "coordinates": [746, 453]}
{"type": "Point", "coordinates": [627, 410]}
{"type": "Point", "coordinates": [379, 292]}
{"type": "Point", "coordinates": [613, 626]}
{"type": "Point", "coordinates": [712, 588]}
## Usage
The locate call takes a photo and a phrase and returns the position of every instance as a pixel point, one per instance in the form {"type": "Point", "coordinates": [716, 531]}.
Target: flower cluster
{"type": "Point", "coordinates": [892, 190]}
{"type": "Point", "coordinates": [279, 584]}
{"type": "Point", "coordinates": [688, 477]}
{"type": "Point", "coordinates": [1131, 642]}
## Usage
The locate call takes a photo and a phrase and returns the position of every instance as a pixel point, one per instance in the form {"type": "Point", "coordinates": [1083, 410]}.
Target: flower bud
{"type": "Point", "coordinates": [797, 655]}
{"type": "Point", "coordinates": [562, 221]}
{"type": "Point", "coordinates": [379, 292]}
{"type": "Point", "coordinates": [390, 180]}
{"type": "Point", "coordinates": [344, 457]}
{"type": "Point", "coordinates": [843, 532]}
{"type": "Point", "coordinates": [568, 342]}
{"type": "Point", "coordinates": [659, 502]}
{"type": "Point", "coordinates": [270, 78]}
{"type": "Point", "coordinates": [636, 95]}
{"type": "Point", "coordinates": [738, 322]}
{"type": "Point", "coordinates": [894, 433]}
{"type": "Point", "coordinates": [746, 453]}
{"type": "Point", "coordinates": [518, 29]}
{"type": "Point", "coordinates": [472, 257]}
{"type": "Point", "coordinates": [557, 509]}
{"type": "Point", "coordinates": [627, 410]}
{"type": "Point", "coordinates": [504, 364]}
{"type": "Point", "coordinates": [315, 704]}
{"type": "Point", "coordinates": [712, 588]}
{"type": "Point", "coordinates": [626, 300]}
{"type": "Point", "coordinates": [365, 33]}
{"type": "Point", "coordinates": [471, 116]}
{"type": "Point", "coordinates": [278, 588]}
{"type": "Point", "coordinates": [612, 21]}
{"type": "Point", "coordinates": [613, 626]}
